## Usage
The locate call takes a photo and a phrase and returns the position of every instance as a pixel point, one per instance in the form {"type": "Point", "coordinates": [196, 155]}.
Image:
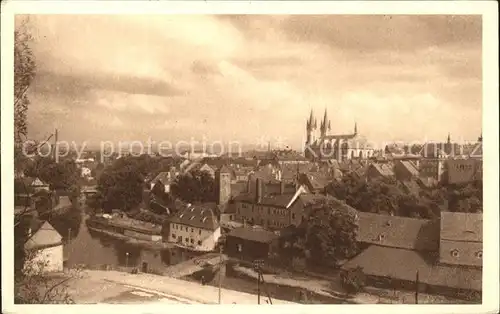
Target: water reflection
{"type": "Point", "coordinates": [95, 250]}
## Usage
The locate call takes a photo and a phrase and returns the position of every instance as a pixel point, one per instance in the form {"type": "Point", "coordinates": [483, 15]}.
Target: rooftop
{"type": "Point", "coordinates": [198, 216]}
{"type": "Point", "coordinates": [253, 234]}
{"type": "Point", "coordinates": [398, 232]}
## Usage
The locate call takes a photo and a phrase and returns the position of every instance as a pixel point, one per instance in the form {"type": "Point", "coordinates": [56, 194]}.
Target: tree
{"type": "Point", "coordinates": [196, 186]}
{"type": "Point", "coordinates": [121, 188]}
{"type": "Point", "coordinates": [34, 286]}
{"type": "Point", "coordinates": [353, 280]}
{"type": "Point", "coordinates": [331, 231]}
{"type": "Point", "coordinates": [31, 284]}
{"type": "Point", "coordinates": [24, 73]}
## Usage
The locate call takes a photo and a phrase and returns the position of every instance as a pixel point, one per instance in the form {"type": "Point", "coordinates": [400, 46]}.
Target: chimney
{"type": "Point", "coordinates": [258, 191]}
{"type": "Point", "coordinates": [282, 187]}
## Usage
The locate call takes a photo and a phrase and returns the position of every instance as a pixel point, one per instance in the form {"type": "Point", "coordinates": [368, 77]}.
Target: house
{"type": "Point", "coordinates": [405, 170]}
{"type": "Point", "coordinates": [46, 245]}
{"type": "Point", "coordinates": [85, 172]}
{"type": "Point", "coordinates": [398, 249]}
{"type": "Point", "coordinates": [464, 170]}
{"type": "Point", "coordinates": [315, 182]}
{"type": "Point", "coordinates": [250, 243]}
{"type": "Point", "coordinates": [379, 170]}
{"type": "Point", "coordinates": [29, 185]}
{"type": "Point", "coordinates": [432, 171]}
{"type": "Point", "coordinates": [166, 178]}
{"type": "Point", "coordinates": [398, 232]}
{"type": "Point", "coordinates": [272, 211]}
{"type": "Point", "coordinates": [435, 150]}
{"type": "Point", "coordinates": [195, 227]}
{"type": "Point", "coordinates": [461, 241]}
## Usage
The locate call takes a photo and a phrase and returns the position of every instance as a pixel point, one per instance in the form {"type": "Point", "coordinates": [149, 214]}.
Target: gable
{"type": "Point", "coordinates": [37, 182]}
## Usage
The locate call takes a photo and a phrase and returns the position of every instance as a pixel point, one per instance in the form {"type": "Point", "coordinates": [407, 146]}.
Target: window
{"type": "Point", "coordinates": [192, 230]}
{"type": "Point", "coordinates": [293, 215]}
{"type": "Point", "coordinates": [192, 241]}
{"type": "Point", "coordinates": [199, 242]}
{"type": "Point", "coordinates": [187, 240]}
{"type": "Point", "coordinates": [230, 218]}
{"type": "Point", "coordinates": [173, 236]}
{"type": "Point", "coordinates": [454, 253]}
{"type": "Point", "coordinates": [181, 228]}
{"type": "Point", "coordinates": [199, 231]}
{"type": "Point", "coordinates": [381, 237]}
{"type": "Point", "coordinates": [240, 248]}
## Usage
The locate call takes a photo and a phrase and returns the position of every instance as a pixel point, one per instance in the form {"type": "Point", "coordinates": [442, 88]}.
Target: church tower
{"type": "Point", "coordinates": [310, 128]}
{"type": "Point", "coordinates": [223, 183]}
{"type": "Point", "coordinates": [325, 125]}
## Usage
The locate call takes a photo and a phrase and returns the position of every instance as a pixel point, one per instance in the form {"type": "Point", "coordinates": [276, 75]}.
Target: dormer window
{"type": "Point", "coordinates": [381, 237]}
{"type": "Point", "coordinates": [479, 254]}
{"type": "Point", "coordinates": [454, 253]}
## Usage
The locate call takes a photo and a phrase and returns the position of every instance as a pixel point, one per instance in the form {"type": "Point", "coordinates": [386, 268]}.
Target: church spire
{"type": "Point", "coordinates": [324, 124]}
{"type": "Point", "coordinates": [449, 138]}
{"type": "Point", "coordinates": [355, 128]}
{"type": "Point", "coordinates": [310, 122]}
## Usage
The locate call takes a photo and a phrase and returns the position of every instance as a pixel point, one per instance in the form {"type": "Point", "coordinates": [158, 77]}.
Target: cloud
{"type": "Point", "coordinates": [239, 77]}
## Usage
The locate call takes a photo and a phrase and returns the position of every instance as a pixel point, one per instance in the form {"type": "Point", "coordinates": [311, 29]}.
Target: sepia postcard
{"type": "Point", "coordinates": [161, 153]}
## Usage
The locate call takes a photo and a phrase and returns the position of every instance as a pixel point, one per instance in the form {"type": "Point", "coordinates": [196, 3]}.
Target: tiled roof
{"type": "Point", "coordinates": [410, 167]}
{"type": "Point", "coordinates": [196, 216]}
{"type": "Point", "coordinates": [43, 235]}
{"type": "Point", "coordinates": [462, 227]}
{"type": "Point", "coordinates": [383, 169]}
{"type": "Point", "coordinates": [461, 253]}
{"type": "Point", "coordinates": [253, 234]}
{"type": "Point", "coordinates": [398, 232]}
{"type": "Point", "coordinates": [279, 200]}
{"type": "Point", "coordinates": [402, 264]}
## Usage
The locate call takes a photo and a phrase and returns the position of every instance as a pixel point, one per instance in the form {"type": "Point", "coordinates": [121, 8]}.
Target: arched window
{"type": "Point", "coordinates": [454, 253]}
{"type": "Point", "coordinates": [479, 254]}
{"type": "Point", "coordinates": [360, 154]}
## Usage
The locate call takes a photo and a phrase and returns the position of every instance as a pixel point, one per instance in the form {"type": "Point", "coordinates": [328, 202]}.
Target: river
{"type": "Point", "coordinates": [95, 250]}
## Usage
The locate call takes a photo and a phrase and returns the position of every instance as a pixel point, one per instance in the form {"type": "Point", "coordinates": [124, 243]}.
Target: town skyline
{"type": "Point", "coordinates": [248, 76]}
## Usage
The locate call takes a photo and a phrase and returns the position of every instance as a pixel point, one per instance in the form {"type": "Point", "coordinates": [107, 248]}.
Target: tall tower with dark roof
{"type": "Point", "coordinates": [310, 128]}
{"type": "Point", "coordinates": [325, 124]}
{"type": "Point", "coordinates": [223, 183]}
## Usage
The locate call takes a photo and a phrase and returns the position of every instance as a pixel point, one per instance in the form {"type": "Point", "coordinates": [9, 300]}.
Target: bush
{"type": "Point", "coordinates": [353, 280]}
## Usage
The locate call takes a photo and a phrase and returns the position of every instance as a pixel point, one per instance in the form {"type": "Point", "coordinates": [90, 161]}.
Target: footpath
{"type": "Point", "coordinates": [174, 287]}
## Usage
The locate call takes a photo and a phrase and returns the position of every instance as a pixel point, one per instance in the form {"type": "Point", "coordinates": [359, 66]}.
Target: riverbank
{"type": "Point", "coordinates": [133, 241]}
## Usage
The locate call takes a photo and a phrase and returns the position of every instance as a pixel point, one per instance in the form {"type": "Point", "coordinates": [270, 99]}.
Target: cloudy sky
{"type": "Point", "coordinates": [248, 77]}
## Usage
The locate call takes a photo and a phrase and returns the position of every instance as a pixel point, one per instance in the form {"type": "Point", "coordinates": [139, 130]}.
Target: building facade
{"type": "Point", "coordinates": [195, 228]}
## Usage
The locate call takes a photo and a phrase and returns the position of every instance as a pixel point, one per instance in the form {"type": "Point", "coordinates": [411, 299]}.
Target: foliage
{"type": "Point", "coordinates": [330, 233]}
{"type": "Point", "coordinates": [120, 187]}
{"type": "Point", "coordinates": [196, 186]}
{"type": "Point", "coordinates": [35, 286]}
{"type": "Point", "coordinates": [63, 175]}
{"type": "Point", "coordinates": [24, 73]}
{"type": "Point", "coordinates": [147, 216]}
{"type": "Point", "coordinates": [389, 197]}
{"type": "Point", "coordinates": [353, 280]}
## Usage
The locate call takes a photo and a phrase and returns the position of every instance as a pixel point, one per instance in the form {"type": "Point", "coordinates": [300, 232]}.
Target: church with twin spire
{"type": "Point", "coordinates": [321, 145]}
